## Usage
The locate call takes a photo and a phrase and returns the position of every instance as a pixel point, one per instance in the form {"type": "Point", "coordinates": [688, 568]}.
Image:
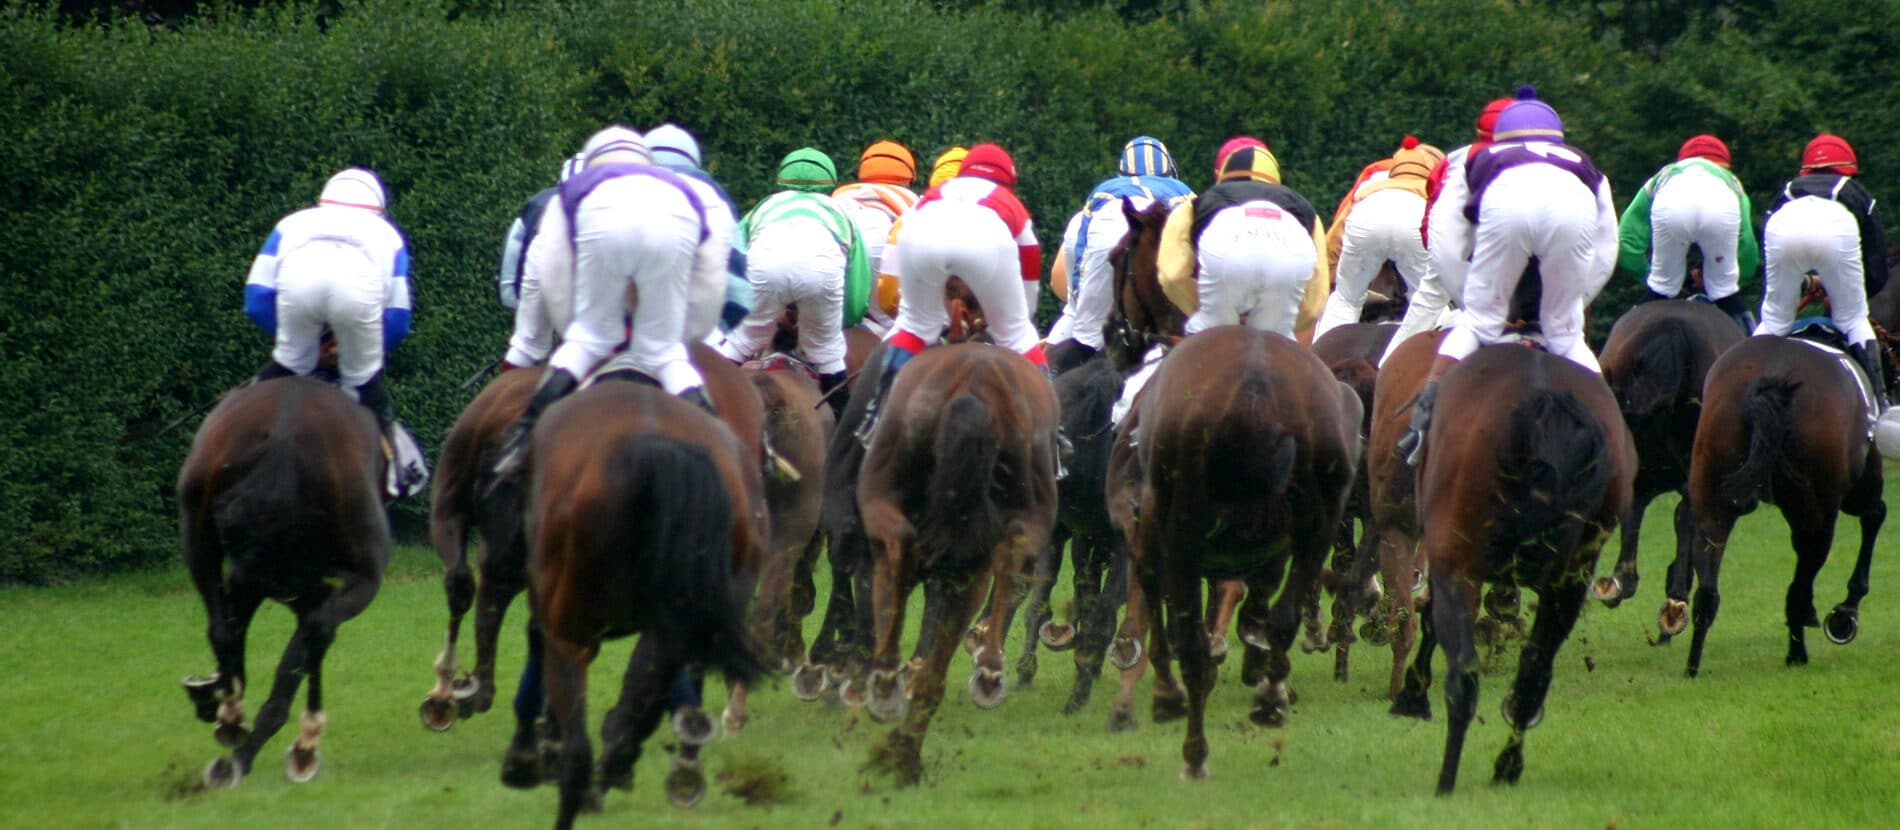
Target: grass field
{"type": "Point", "coordinates": [98, 734]}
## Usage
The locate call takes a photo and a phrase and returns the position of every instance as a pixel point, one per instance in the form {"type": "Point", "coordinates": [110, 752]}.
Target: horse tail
{"type": "Point", "coordinates": [958, 502]}
{"type": "Point", "coordinates": [263, 507]}
{"type": "Point", "coordinates": [1662, 370]}
{"type": "Point", "coordinates": [679, 517]}
{"type": "Point", "coordinates": [1766, 415]}
{"type": "Point", "coordinates": [1556, 460]}
{"type": "Point", "coordinates": [1250, 459]}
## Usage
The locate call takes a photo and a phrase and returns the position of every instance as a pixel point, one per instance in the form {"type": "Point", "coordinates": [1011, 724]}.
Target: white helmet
{"type": "Point", "coordinates": [672, 146]}
{"type": "Point", "coordinates": [616, 145]}
{"type": "Point", "coordinates": [355, 187]}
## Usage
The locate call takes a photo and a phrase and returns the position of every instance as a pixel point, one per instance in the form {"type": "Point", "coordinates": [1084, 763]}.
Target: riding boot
{"type": "Point", "coordinates": [894, 359]}
{"type": "Point", "coordinates": [697, 396]}
{"type": "Point", "coordinates": [374, 396]}
{"type": "Point", "coordinates": [1069, 354]}
{"type": "Point", "coordinates": [1412, 444]}
{"type": "Point", "coordinates": [1738, 311]}
{"type": "Point", "coordinates": [556, 384]}
{"type": "Point", "coordinates": [831, 386]}
{"type": "Point", "coordinates": [1867, 355]}
{"type": "Point", "coordinates": [1651, 295]}
{"type": "Point", "coordinates": [272, 371]}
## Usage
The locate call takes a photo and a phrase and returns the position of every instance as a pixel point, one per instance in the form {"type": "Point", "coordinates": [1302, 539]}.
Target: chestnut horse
{"type": "Point", "coordinates": [1520, 485]}
{"type": "Point", "coordinates": [958, 489]}
{"type": "Point", "coordinates": [280, 498]}
{"type": "Point", "coordinates": [1786, 423]}
{"type": "Point", "coordinates": [645, 516]}
{"type": "Point", "coordinates": [1655, 362]}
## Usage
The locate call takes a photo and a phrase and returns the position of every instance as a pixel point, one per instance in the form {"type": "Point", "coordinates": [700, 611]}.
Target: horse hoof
{"type": "Point", "coordinates": [203, 692]}
{"type": "Point", "coordinates": [1673, 618]}
{"type": "Point", "coordinates": [685, 783]}
{"type": "Point", "coordinates": [1607, 590]}
{"type": "Point", "coordinates": [808, 682]}
{"type": "Point", "coordinates": [1268, 714]}
{"type": "Point", "coordinates": [733, 721]}
{"type": "Point", "coordinates": [692, 727]}
{"type": "Point", "coordinates": [973, 639]}
{"type": "Point", "coordinates": [593, 801]}
{"type": "Point", "coordinates": [1842, 626]}
{"type": "Point", "coordinates": [1026, 668]}
{"type": "Point", "coordinates": [1217, 649]}
{"type": "Point", "coordinates": [1510, 766]}
{"type": "Point", "coordinates": [1125, 653]}
{"type": "Point", "coordinates": [1056, 636]}
{"type": "Point", "coordinates": [851, 694]}
{"type": "Point", "coordinates": [1375, 632]}
{"type": "Point", "coordinates": [1121, 721]}
{"type": "Point", "coordinates": [437, 714]}
{"type": "Point", "coordinates": [1508, 709]}
{"type": "Point", "coordinates": [1314, 644]}
{"type": "Point", "coordinates": [987, 688]}
{"type": "Point", "coordinates": [300, 765]}
{"type": "Point", "coordinates": [1168, 708]}
{"type": "Point", "coordinates": [521, 769]}
{"type": "Point", "coordinates": [1192, 772]}
{"type": "Point", "coordinates": [222, 774]}
{"type": "Point", "coordinates": [1255, 636]}
{"type": "Point", "coordinates": [1411, 706]}
{"type": "Point", "coordinates": [887, 700]}
{"type": "Point", "coordinates": [230, 735]}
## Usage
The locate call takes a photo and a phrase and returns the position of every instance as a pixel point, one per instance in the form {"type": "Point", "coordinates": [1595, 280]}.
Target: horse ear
{"type": "Point", "coordinates": [1129, 212]}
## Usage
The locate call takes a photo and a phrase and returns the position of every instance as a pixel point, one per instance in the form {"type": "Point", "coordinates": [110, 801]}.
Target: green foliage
{"type": "Point", "coordinates": [142, 166]}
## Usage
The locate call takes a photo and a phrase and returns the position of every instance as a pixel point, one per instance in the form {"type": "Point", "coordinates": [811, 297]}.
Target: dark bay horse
{"type": "Point", "coordinates": [1248, 446]}
{"type": "Point", "coordinates": [1655, 362]}
{"type": "Point", "coordinates": [646, 516]}
{"type": "Point", "coordinates": [1352, 352]}
{"type": "Point", "coordinates": [1521, 483]}
{"type": "Point", "coordinates": [280, 498]}
{"type": "Point", "coordinates": [958, 489]}
{"type": "Point", "coordinates": [1782, 422]}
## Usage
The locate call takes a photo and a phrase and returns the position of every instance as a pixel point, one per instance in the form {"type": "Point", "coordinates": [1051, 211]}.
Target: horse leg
{"type": "Point", "coordinates": [220, 698]}
{"type": "Point", "coordinates": [458, 584]}
{"type": "Point", "coordinates": [1038, 617]}
{"type": "Point", "coordinates": [1621, 584]}
{"type": "Point", "coordinates": [523, 766]}
{"type": "Point", "coordinates": [1454, 608]}
{"type": "Point", "coordinates": [1197, 666]}
{"type": "Point", "coordinates": [229, 770]}
{"type": "Point", "coordinates": [1813, 533]}
{"type": "Point", "coordinates": [1227, 596]}
{"type": "Point", "coordinates": [1398, 569]}
{"type": "Point", "coordinates": [1707, 561]}
{"type": "Point", "coordinates": [811, 677]}
{"type": "Point", "coordinates": [501, 583]}
{"type": "Point", "coordinates": [901, 753]}
{"type": "Point", "coordinates": [1091, 623]}
{"type": "Point", "coordinates": [566, 672]}
{"type": "Point", "coordinates": [1524, 708]}
{"type": "Point", "coordinates": [1127, 653]}
{"type": "Point", "coordinates": [803, 600]}
{"type": "Point", "coordinates": [1843, 623]}
{"type": "Point", "coordinates": [891, 584]}
{"type": "Point", "coordinates": [634, 717]}
{"type": "Point", "coordinates": [1170, 700]}
{"type": "Point", "coordinates": [302, 762]}
{"type": "Point", "coordinates": [987, 687]}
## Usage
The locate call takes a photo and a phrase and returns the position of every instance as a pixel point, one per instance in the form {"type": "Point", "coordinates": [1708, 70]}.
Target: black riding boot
{"type": "Point", "coordinates": [1651, 295]}
{"type": "Point", "coordinates": [1412, 444]}
{"type": "Point", "coordinates": [1867, 355]}
{"type": "Point", "coordinates": [697, 397]}
{"type": "Point", "coordinates": [1738, 311]}
{"type": "Point", "coordinates": [556, 384]}
{"type": "Point", "coordinates": [832, 387]}
{"type": "Point", "coordinates": [272, 371]}
{"type": "Point", "coordinates": [894, 359]}
{"type": "Point", "coordinates": [374, 396]}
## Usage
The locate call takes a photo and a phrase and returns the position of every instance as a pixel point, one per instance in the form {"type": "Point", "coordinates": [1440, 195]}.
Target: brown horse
{"type": "Point", "coordinates": [1782, 422]}
{"type": "Point", "coordinates": [1522, 488]}
{"type": "Point", "coordinates": [1392, 494]}
{"type": "Point", "coordinates": [1352, 352]}
{"type": "Point", "coordinates": [1655, 362]}
{"type": "Point", "coordinates": [281, 497]}
{"type": "Point", "coordinates": [645, 517]}
{"type": "Point", "coordinates": [958, 489]}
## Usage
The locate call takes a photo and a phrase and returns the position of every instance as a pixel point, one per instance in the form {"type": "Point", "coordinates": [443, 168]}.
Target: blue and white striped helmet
{"type": "Point", "coordinates": [1146, 156]}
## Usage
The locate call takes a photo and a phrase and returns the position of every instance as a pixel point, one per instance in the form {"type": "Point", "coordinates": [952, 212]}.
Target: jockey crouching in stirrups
{"type": "Point", "coordinates": [972, 227]}
{"type": "Point", "coordinates": [675, 149]}
{"type": "Point", "coordinates": [623, 224]}
{"type": "Point", "coordinates": [1380, 221]}
{"type": "Point", "coordinates": [1695, 201]}
{"type": "Point", "coordinates": [801, 249]}
{"type": "Point", "coordinates": [342, 265]}
{"type": "Point", "coordinates": [1526, 195]}
{"type": "Point", "coordinates": [882, 193]}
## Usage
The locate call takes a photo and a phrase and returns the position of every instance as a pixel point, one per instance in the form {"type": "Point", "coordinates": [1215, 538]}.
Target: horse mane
{"type": "Point", "coordinates": [1555, 464]}
{"type": "Point", "coordinates": [1767, 415]}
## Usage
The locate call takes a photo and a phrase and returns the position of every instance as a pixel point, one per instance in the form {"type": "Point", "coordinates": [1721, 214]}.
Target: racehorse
{"type": "Point", "coordinates": [645, 516]}
{"type": "Point", "coordinates": [1523, 491]}
{"type": "Point", "coordinates": [1655, 362]}
{"type": "Point", "coordinates": [1247, 446]}
{"type": "Point", "coordinates": [1352, 352]}
{"type": "Point", "coordinates": [281, 497]}
{"type": "Point", "coordinates": [1783, 422]}
{"type": "Point", "coordinates": [957, 488]}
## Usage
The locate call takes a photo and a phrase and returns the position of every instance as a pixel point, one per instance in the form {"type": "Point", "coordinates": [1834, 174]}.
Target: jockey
{"type": "Point", "coordinates": [521, 234]}
{"type": "Point", "coordinates": [885, 299]}
{"type": "Point", "coordinates": [882, 193]}
{"type": "Point", "coordinates": [1824, 222]}
{"type": "Point", "coordinates": [1146, 174]}
{"type": "Point", "coordinates": [801, 249]}
{"type": "Point", "coordinates": [342, 265]}
{"type": "Point", "coordinates": [1525, 195]}
{"type": "Point", "coordinates": [1248, 245]}
{"type": "Point", "coordinates": [1427, 307]}
{"type": "Point", "coordinates": [1381, 221]}
{"type": "Point", "coordinates": [1695, 201]}
{"type": "Point", "coordinates": [625, 226]}
{"type": "Point", "coordinates": [972, 227]}
{"type": "Point", "coordinates": [675, 149]}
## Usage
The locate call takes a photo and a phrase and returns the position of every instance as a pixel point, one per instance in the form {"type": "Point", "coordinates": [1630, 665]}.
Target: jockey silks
{"type": "Point", "coordinates": [792, 204]}
{"type": "Point", "coordinates": [1694, 201]}
{"type": "Point", "coordinates": [1850, 194]}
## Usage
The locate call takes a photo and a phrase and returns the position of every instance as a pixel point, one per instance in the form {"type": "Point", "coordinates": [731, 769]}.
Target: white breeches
{"type": "Point", "coordinates": [334, 284]}
{"type": "Point", "coordinates": [1428, 309]}
{"type": "Point", "coordinates": [1255, 259]}
{"type": "Point", "coordinates": [1694, 208]}
{"type": "Point", "coordinates": [953, 239]}
{"type": "Point", "coordinates": [794, 262]}
{"type": "Point", "coordinates": [1381, 227]}
{"type": "Point", "coordinates": [1552, 217]}
{"type": "Point", "coordinates": [1809, 234]}
{"type": "Point", "coordinates": [1092, 288]}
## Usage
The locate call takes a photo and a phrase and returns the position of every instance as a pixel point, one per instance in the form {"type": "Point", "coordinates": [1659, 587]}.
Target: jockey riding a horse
{"type": "Point", "coordinates": [1379, 221]}
{"type": "Point", "coordinates": [1526, 195]}
{"type": "Point", "coordinates": [1695, 201]}
{"type": "Point", "coordinates": [1145, 175]}
{"type": "Point", "coordinates": [1823, 222]}
{"type": "Point", "coordinates": [342, 266]}
{"type": "Point", "coordinates": [802, 249]}
{"type": "Point", "coordinates": [514, 246]}
{"type": "Point", "coordinates": [882, 193]}
{"type": "Point", "coordinates": [625, 227]}
{"type": "Point", "coordinates": [883, 307]}
{"type": "Point", "coordinates": [677, 150]}
{"type": "Point", "coordinates": [972, 227]}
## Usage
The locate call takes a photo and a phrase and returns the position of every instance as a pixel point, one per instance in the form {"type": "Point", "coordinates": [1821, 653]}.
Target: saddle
{"type": "Point", "coordinates": [1820, 333]}
{"type": "Point", "coordinates": [781, 362]}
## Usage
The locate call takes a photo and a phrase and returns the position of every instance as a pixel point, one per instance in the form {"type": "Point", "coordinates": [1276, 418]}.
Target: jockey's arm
{"type": "Point", "coordinates": [397, 299]}
{"type": "Point", "coordinates": [1605, 253]}
{"type": "Point", "coordinates": [260, 287]}
{"type": "Point", "coordinates": [511, 254]}
{"type": "Point", "coordinates": [533, 337]}
{"type": "Point", "coordinates": [1634, 233]}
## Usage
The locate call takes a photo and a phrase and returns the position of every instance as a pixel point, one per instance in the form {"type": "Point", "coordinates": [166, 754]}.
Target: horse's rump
{"type": "Point", "coordinates": [1555, 469]}
{"type": "Point", "coordinates": [1767, 416]}
{"type": "Point", "coordinates": [1658, 373]}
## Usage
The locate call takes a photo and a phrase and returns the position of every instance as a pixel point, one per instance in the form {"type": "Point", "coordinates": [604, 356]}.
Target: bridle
{"type": "Point", "coordinates": [1136, 341]}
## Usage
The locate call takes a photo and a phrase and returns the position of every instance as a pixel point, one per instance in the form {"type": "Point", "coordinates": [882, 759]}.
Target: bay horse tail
{"type": "Point", "coordinates": [1662, 370]}
{"type": "Point", "coordinates": [678, 516]}
{"type": "Point", "coordinates": [958, 501]}
{"type": "Point", "coordinates": [264, 506]}
{"type": "Point", "coordinates": [1766, 414]}
{"type": "Point", "coordinates": [1556, 458]}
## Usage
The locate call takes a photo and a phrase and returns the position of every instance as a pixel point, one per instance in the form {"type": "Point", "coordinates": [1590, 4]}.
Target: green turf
{"type": "Point", "coordinates": [98, 734]}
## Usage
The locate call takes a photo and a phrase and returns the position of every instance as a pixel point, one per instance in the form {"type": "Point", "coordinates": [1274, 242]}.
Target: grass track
{"type": "Point", "coordinates": [98, 734]}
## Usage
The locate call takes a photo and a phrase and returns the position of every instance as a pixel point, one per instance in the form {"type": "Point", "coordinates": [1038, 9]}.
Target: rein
{"type": "Point", "coordinates": [1137, 340]}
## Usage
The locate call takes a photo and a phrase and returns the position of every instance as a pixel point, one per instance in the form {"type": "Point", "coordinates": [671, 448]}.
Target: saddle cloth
{"type": "Point", "coordinates": [1131, 389]}
{"type": "Point", "coordinates": [408, 469]}
{"type": "Point", "coordinates": [1853, 370]}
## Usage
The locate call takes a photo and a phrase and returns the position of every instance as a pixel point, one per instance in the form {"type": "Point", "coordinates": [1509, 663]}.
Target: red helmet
{"type": "Point", "coordinates": [988, 161]}
{"type": "Point", "coordinates": [1489, 117]}
{"type": "Point", "coordinates": [1704, 146]}
{"type": "Point", "coordinates": [1830, 153]}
